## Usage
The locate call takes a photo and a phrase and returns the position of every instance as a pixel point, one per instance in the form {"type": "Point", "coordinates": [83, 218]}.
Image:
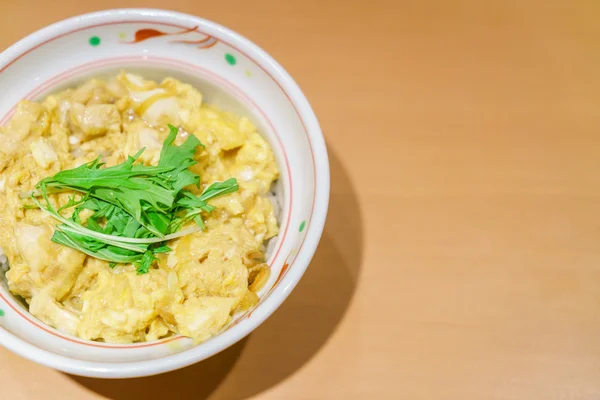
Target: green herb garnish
{"type": "Point", "coordinates": [136, 209]}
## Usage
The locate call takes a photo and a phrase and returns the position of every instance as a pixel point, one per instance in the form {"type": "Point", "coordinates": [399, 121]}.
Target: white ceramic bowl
{"type": "Point", "coordinates": [231, 72]}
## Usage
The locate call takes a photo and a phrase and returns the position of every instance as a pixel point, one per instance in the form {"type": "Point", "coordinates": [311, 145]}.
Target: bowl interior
{"type": "Point", "coordinates": [231, 74]}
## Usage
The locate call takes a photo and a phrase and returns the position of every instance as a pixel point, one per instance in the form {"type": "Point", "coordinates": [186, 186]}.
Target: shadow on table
{"type": "Point", "coordinates": [290, 338]}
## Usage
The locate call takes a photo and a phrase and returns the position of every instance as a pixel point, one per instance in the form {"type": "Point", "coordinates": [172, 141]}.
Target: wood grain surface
{"type": "Point", "coordinates": [461, 258]}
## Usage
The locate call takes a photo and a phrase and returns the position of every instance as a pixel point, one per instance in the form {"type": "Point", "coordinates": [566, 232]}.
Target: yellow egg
{"type": "Point", "coordinates": [208, 276]}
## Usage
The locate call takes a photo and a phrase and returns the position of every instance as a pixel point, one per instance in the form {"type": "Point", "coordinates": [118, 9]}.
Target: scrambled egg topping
{"type": "Point", "coordinates": [209, 275]}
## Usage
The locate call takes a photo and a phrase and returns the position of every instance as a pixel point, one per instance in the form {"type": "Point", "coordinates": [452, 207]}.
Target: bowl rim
{"type": "Point", "coordinates": [304, 255]}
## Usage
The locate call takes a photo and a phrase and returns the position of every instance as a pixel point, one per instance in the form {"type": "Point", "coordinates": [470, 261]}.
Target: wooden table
{"type": "Point", "coordinates": [461, 258]}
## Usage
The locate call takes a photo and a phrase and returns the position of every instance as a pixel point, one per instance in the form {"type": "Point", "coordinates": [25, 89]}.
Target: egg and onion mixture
{"type": "Point", "coordinates": [192, 290]}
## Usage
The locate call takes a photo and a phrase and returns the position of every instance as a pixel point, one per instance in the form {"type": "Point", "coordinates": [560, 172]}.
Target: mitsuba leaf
{"type": "Point", "coordinates": [133, 206]}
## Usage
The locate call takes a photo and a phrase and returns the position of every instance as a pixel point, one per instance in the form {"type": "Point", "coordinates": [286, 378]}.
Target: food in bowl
{"type": "Point", "coordinates": [134, 211]}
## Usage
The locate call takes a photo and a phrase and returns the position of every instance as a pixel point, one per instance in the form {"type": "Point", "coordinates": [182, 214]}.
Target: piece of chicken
{"type": "Point", "coordinates": [94, 120]}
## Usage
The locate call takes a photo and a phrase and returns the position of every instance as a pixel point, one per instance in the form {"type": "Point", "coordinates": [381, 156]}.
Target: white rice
{"type": "Point", "coordinates": [276, 206]}
{"type": "Point", "coordinates": [3, 261]}
{"type": "Point", "coordinates": [276, 203]}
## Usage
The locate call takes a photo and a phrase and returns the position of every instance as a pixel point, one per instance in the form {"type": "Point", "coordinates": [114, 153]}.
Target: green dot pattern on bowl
{"type": "Point", "coordinates": [230, 58]}
{"type": "Point", "coordinates": [1, 313]}
{"type": "Point", "coordinates": [302, 226]}
{"type": "Point", "coordinates": [94, 41]}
